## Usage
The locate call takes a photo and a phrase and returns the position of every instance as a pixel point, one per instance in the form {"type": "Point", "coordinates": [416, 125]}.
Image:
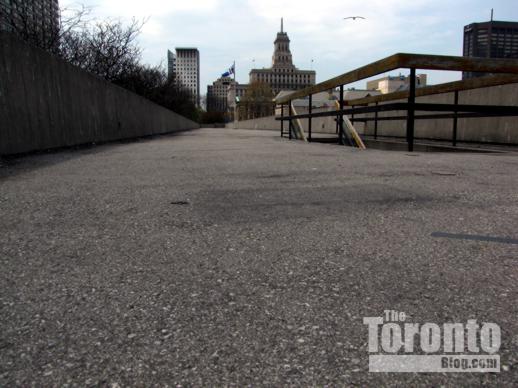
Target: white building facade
{"type": "Point", "coordinates": [187, 70]}
{"type": "Point", "coordinates": [283, 75]}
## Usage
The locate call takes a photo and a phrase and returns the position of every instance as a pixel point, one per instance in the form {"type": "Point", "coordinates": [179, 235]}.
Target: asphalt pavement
{"type": "Point", "coordinates": [222, 257]}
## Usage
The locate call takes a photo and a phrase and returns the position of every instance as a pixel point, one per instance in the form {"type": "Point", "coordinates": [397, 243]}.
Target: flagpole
{"type": "Point", "coordinates": [235, 91]}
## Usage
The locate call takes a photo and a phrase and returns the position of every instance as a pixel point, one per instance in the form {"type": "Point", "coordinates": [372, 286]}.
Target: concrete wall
{"type": "Point", "coordinates": [492, 130]}
{"type": "Point", "coordinates": [267, 123]}
{"type": "Point", "coordinates": [318, 125]}
{"type": "Point", "coordinates": [46, 103]}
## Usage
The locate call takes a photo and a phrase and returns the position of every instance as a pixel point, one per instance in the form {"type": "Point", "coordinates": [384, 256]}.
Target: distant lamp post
{"type": "Point", "coordinates": [311, 67]}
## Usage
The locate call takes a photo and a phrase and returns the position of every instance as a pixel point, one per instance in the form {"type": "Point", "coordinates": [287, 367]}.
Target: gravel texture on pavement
{"type": "Point", "coordinates": [223, 257]}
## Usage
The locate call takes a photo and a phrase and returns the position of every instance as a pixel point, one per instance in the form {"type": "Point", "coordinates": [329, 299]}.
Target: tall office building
{"type": "Point", "coordinates": [188, 70]}
{"type": "Point", "coordinates": [283, 75]}
{"type": "Point", "coordinates": [493, 39]}
{"type": "Point", "coordinates": [34, 19]}
{"type": "Point", "coordinates": [171, 63]}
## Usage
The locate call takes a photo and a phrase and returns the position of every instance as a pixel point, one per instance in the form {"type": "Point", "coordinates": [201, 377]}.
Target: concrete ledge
{"type": "Point", "coordinates": [268, 123]}
{"type": "Point", "coordinates": [46, 103]}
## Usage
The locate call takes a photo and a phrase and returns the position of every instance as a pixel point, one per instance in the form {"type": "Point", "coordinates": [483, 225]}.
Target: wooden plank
{"type": "Point", "coordinates": [453, 63]}
{"type": "Point", "coordinates": [405, 60]}
{"type": "Point", "coordinates": [449, 87]}
{"type": "Point", "coordinates": [357, 139]}
{"type": "Point", "coordinates": [372, 69]}
{"type": "Point", "coordinates": [298, 128]}
{"type": "Point", "coordinates": [354, 134]}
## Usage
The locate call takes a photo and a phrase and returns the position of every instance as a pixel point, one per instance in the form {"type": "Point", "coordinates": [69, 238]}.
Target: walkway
{"type": "Point", "coordinates": [224, 256]}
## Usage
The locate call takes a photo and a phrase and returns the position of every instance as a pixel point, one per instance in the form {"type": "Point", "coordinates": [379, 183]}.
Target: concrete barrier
{"type": "Point", "coordinates": [318, 125]}
{"type": "Point", "coordinates": [47, 103]}
{"type": "Point", "coordinates": [267, 123]}
{"type": "Point", "coordinates": [502, 130]}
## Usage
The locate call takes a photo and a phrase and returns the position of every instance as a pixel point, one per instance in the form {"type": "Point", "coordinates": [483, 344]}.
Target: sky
{"type": "Point", "coordinates": [243, 31]}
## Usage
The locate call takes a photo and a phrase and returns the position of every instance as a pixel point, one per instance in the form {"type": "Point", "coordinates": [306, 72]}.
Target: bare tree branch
{"type": "Point", "coordinates": [106, 48]}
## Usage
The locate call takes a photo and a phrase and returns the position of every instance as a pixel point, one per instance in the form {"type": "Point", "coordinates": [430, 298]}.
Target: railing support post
{"type": "Point", "coordinates": [290, 123]}
{"type": "Point", "coordinates": [282, 120]}
{"type": "Point", "coordinates": [410, 121]}
{"type": "Point", "coordinates": [376, 123]}
{"type": "Point", "coordinates": [341, 117]}
{"type": "Point", "coordinates": [456, 102]}
{"type": "Point", "coordinates": [310, 111]}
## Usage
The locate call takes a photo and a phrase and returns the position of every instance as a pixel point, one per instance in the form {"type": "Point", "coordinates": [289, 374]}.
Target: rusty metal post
{"type": "Point", "coordinates": [282, 120]}
{"type": "Point", "coordinates": [376, 123]}
{"type": "Point", "coordinates": [456, 102]}
{"type": "Point", "coordinates": [410, 121]}
{"type": "Point", "coordinates": [341, 117]}
{"type": "Point", "coordinates": [310, 111]}
{"type": "Point", "coordinates": [290, 122]}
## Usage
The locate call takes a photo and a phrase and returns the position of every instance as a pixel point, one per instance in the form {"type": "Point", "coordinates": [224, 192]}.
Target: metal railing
{"type": "Point", "coordinates": [506, 70]}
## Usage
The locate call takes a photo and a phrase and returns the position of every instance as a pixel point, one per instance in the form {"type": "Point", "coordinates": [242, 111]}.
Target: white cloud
{"type": "Point", "coordinates": [227, 30]}
{"type": "Point", "coordinates": [153, 28]}
{"type": "Point", "coordinates": [145, 8]}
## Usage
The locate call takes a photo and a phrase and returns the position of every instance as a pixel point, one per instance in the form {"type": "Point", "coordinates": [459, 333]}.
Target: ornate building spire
{"type": "Point", "coordinates": [282, 54]}
{"type": "Point", "coordinates": [283, 75]}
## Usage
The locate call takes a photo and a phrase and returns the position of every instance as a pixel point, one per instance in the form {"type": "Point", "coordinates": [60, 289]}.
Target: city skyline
{"type": "Point", "coordinates": [224, 31]}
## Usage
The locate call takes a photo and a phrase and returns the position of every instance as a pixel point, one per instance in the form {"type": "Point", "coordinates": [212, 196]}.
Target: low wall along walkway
{"type": "Point", "coordinates": [503, 130]}
{"type": "Point", "coordinates": [47, 103]}
{"type": "Point", "coordinates": [319, 124]}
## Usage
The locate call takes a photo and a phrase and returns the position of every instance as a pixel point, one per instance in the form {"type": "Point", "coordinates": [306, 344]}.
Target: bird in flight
{"type": "Point", "coordinates": [354, 17]}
